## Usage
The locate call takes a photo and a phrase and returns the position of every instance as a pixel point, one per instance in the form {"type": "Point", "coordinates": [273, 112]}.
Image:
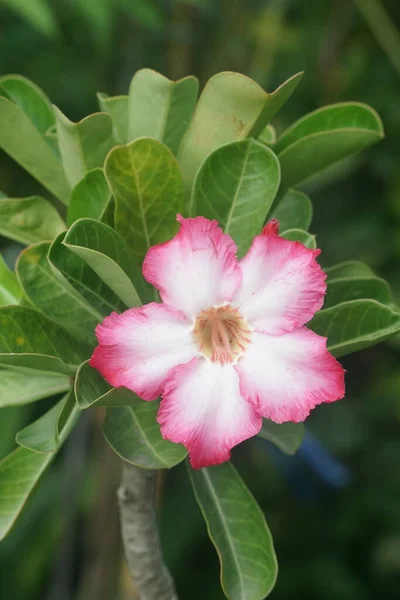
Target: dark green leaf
{"type": "Point", "coordinates": [19, 473]}
{"type": "Point", "coordinates": [92, 390]}
{"type": "Point", "coordinates": [29, 339]}
{"type": "Point", "coordinates": [134, 434]}
{"type": "Point", "coordinates": [84, 145]}
{"type": "Point", "coordinates": [288, 437]}
{"type": "Point", "coordinates": [355, 325]}
{"type": "Point", "coordinates": [30, 98]}
{"type": "Point", "coordinates": [298, 235]}
{"type": "Point", "coordinates": [147, 185]}
{"type": "Point", "coordinates": [42, 435]}
{"type": "Point", "coordinates": [231, 107]}
{"type": "Point", "coordinates": [20, 386]}
{"type": "Point", "coordinates": [29, 220]}
{"type": "Point", "coordinates": [238, 530]}
{"type": "Point", "coordinates": [236, 185]}
{"type": "Point", "coordinates": [117, 108]}
{"type": "Point", "coordinates": [160, 108]}
{"type": "Point", "coordinates": [25, 144]}
{"type": "Point", "coordinates": [348, 269]}
{"type": "Point", "coordinates": [106, 253]}
{"type": "Point", "coordinates": [53, 295]}
{"type": "Point", "coordinates": [324, 137]}
{"type": "Point", "coordinates": [37, 13]}
{"type": "Point", "coordinates": [343, 290]}
{"type": "Point", "coordinates": [90, 197]}
{"type": "Point", "coordinates": [294, 211]}
{"type": "Point", "coordinates": [10, 291]}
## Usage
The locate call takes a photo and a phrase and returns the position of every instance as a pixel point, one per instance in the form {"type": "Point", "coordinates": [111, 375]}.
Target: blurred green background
{"type": "Point", "coordinates": [334, 508]}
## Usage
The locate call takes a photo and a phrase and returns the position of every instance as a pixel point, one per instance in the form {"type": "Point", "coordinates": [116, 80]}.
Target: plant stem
{"type": "Point", "coordinates": [136, 497]}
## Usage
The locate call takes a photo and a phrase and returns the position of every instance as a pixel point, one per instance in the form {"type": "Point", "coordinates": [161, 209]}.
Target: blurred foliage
{"type": "Point", "coordinates": [334, 511]}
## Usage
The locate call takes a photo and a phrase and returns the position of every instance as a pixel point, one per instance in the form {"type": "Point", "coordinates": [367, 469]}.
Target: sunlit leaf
{"type": "Point", "coordinates": [238, 531]}
{"type": "Point", "coordinates": [236, 185]}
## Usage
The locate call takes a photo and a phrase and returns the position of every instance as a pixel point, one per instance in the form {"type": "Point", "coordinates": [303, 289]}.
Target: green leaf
{"type": "Point", "coordinates": [26, 145]}
{"type": "Point", "coordinates": [92, 390]}
{"type": "Point", "coordinates": [354, 325]}
{"type": "Point", "coordinates": [324, 137]}
{"type": "Point", "coordinates": [90, 197]}
{"type": "Point", "coordinates": [42, 435]}
{"type": "Point", "coordinates": [298, 235]}
{"type": "Point", "coordinates": [106, 253]}
{"type": "Point", "coordinates": [294, 211]}
{"type": "Point", "coordinates": [268, 135]}
{"type": "Point", "coordinates": [346, 289]}
{"type": "Point", "coordinates": [117, 108]}
{"type": "Point", "coordinates": [37, 12]}
{"type": "Point", "coordinates": [288, 437]}
{"type": "Point", "coordinates": [231, 107]}
{"type": "Point", "coordinates": [134, 434]}
{"type": "Point", "coordinates": [30, 98]}
{"type": "Point", "coordinates": [19, 386]}
{"type": "Point", "coordinates": [19, 473]}
{"type": "Point", "coordinates": [55, 296]}
{"type": "Point", "coordinates": [83, 280]}
{"type": "Point", "coordinates": [238, 530]}
{"type": "Point", "coordinates": [147, 186]}
{"type": "Point", "coordinates": [348, 269]}
{"type": "Point", "coordinates": [29, 339]}
{"type": "Point", "coordinates": [84, 145]}
{"type": "Point", "coordinates": [160, 108]}
{"type": "Point", "coordinates": [10, 291]}
{"type": "Point", "coordinates": [29, 220]}
{"type": "Point", "coordinates": [236, 185]}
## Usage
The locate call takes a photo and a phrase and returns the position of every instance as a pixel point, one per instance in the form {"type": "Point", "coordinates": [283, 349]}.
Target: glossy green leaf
{"type": "Point", "coordinates": [42, 435]}
{"type": "Point", "coordinates": [10, 291]}
{"type": "Point", "coordinates": [30, 98]}
{"type": "Point", "coordinates": [236, 185]}
{"type": "Point", "coordinates": [29, 339]}
{"type": "Point", "coordinates": [67, 265]}
{"type": "Point", "coordinates": [19, 473]}
{"type": "Point", "coordinates": [161, 108]}
{"type": "Point", "coordinates": [92, 390]}
{"type": "Point", "coordinates": [348, 269]}
{"type": "Point", "coordinates": [29, 220]}
{"type": "Point", "coordinates": [26, 145]}
{"type": "Point", "coordinates": [294, 211]}
{"type": "Point", "coordinates": [90, 197]}
{"type": "Point", "coordinates": [148, 190]}
{"type": "Point", "coordinates": [231, 107]}
{"type": "Point", "coordinates": [117, 108]}
{"type": "Point", "coordinates": [106, 253]}
{"type": "Point", "coordinates": [324, 137]}
{"type": "Point", "coordinates": [55, 296]}
{"type": "Point", "coordinates": [37, 13]}
{"type": "Point", "coordinates": [298, 235]}
{"type": "Point", "coordinates": [134, 434]}
{"type": "Point", "coordinates": [84, 145]}
{"type": "Point", "coordinates": [344, 290]}
{"type": "Point", "coordinates": [288, 437]}
{"type": "Point", "coordinates": [19, 386]}
{"type": "Point", "coordinates": [354, 325]}
{"type": "Point", "coordinates": [238, 531]}
{"type": "Point", "coordinates": [268, 135]}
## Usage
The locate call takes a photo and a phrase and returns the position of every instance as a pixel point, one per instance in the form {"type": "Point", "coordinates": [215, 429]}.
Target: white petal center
{"type": "Point", "coordinates": [221, 333]}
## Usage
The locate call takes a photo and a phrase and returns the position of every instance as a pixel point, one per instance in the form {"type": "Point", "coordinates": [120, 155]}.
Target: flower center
{"type": "Point", "coordinates": [221, 333]}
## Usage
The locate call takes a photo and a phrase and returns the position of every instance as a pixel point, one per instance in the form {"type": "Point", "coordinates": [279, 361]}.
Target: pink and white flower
{"type": "Point", "coordinates": [227, 345]}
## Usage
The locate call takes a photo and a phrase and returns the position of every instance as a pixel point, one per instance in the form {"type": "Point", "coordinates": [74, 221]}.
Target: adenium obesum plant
{"type": "Point", "coordinates": [245, 338]}
{"type": "Point", "coordinates": [228, 344]}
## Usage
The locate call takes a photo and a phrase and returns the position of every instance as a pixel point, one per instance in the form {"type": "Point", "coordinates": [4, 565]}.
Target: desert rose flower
{"type": "Point", "coordinates": [228, 345]}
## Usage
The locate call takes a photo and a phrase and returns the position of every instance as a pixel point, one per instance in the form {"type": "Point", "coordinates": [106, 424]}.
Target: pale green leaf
{"type": "Point", "coordinates": [294, 211]}
{"type": "Point", "coordinates": [29, 220]}
{"type": "Point", "coordinates": [117, 108]}
{"type": "Point", "coordinates": [346, 289]}
{"type": "Point", "coordinates": [19, 386]}
{"type": "Point", "coordinates": [90, 197]}
{"type": "Point", "coordinates": [298, 235]}
{"type": "Point", "coordinates": [30, 98]}
{"type": "Point", "coordinates": [268, 135]}
{"type": "Point", "coordinates": [348, 269]}
{"type": "Point", "coordinates": [236, 185]}
{"type": "Point", "coordinates": [10, 291]}
{"type": "Point", "coordinates": [238, 531]}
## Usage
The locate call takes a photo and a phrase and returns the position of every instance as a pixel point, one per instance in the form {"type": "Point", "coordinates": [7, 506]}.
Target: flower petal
{"type": "Point", "coordinates": [138, 348]}
{"type": "Point", "coordinates": [202, 408]}
{"type": "Point", "coordinates": [282, 284]}
{"type": "Point", "coordinates": [286, 376]}
{"type": "Point", "coordinates": [197, 269]}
